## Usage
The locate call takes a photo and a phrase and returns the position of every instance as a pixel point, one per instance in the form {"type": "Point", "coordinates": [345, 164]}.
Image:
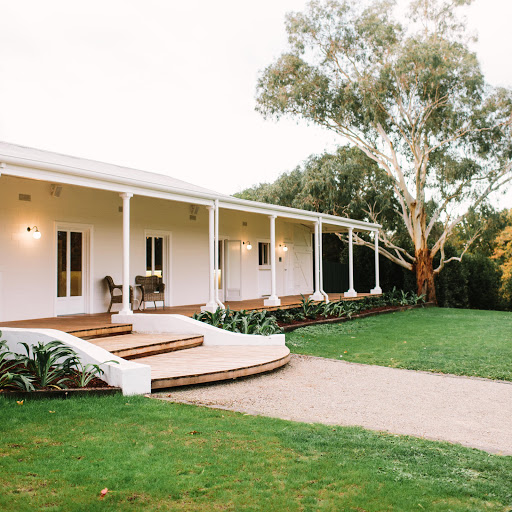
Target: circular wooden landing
{"type": "Point", "coordinates": [210, 364]}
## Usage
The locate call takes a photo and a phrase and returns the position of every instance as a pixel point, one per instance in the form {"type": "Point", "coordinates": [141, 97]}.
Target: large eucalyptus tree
{"type": "Point", "coordinates": [413, 99]}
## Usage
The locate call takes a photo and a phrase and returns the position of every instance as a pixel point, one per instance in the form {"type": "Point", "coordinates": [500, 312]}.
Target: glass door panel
{"type": "Point", "coordinates": [76, 264]}
{"type": "Point", "coordinates": [154, 256]}
{"type": "Point", "coordinates": [70, 272]}
{"type": "Point", "coordinates": [62, 263]}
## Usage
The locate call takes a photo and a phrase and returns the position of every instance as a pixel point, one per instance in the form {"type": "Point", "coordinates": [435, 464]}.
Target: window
{"type": "Point", "coordinates": [154, 256]}
{"type": "Point", "coordinates": [264, 253]}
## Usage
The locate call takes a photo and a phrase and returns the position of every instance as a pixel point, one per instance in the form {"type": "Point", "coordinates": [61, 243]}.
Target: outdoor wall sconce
{"type": "Point", "coordinates": [35, 232]}
{"type": "Point", "coordinates": [283, 247]}
{"type": "Point", "coordinates": [248, 245]}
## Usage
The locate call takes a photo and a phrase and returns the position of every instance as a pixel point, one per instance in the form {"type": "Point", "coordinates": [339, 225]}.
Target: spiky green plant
{"type": "Point", "coordinates": [50, 364]}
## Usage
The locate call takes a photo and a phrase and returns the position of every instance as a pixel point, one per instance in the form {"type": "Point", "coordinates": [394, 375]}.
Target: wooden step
{"type": "Point", "coordinates": [135, 345]}
{"type": "Point", "coordinates": [101, 331]}
{"type": "Point", "coordinates": [212, 363]}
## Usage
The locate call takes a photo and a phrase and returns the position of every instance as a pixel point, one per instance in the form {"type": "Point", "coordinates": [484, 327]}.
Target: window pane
{"type": "Point", "coordinates": [220, 260]}
{"type": "Point", "coordinates": [149, 255]}
{"type": "Point", "coordinates": [62, 242]}
{"type": "Point", "coordinates": [76, 264]}
{"type": "Point", "coordinates": [263, 252]}
{"type": "Point", "coordinates": [159, 249]}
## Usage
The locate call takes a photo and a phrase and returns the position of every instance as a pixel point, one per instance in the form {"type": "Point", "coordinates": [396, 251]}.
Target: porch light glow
{"type": "Point", "coordinates": [285, 248]}
{"type": "Point", "coordinates": [249, 246]}
{"type": "Point", "coordinates": [35, 232]}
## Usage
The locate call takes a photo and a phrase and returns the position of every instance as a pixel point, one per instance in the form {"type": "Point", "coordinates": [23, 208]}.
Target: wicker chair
{"type": "Point", "coordinates": [152, 289]}
{"type": "Point", "coordinates": [117, 298]}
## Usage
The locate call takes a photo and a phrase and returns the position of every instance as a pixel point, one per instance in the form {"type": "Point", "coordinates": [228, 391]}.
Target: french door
{"type": "Point", "coordinates": [72, 270]}
{"type": "Point", "coordinates": [158, 258]}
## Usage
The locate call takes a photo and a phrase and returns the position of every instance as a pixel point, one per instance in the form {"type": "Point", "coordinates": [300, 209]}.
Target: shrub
{"type": "Point", "coordinates": [243, 322]}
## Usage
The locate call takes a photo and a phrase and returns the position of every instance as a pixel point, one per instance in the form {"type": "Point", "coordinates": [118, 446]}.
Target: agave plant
{"type": "Point", "coordinates": [11, 375]}
{"type": "Point", "coordinates": [85, 373]}
{"type": "Point", "coordinates": [50, 364]}
{"type": "Point", "coordinates": [310, 309]}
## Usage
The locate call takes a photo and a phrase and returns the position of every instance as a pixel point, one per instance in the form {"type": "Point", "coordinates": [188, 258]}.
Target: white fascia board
{"type": "Point", "coordinates": [234, 203]}
{"type": "Point", "coordinates": [265, 209]}
{"type": "Point", "coordinates": [69, 179]}
{"type": "Point", "coordinates": [57, 173]}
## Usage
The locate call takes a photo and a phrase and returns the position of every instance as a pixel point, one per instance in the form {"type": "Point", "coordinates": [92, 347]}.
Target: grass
{"type": "Point", "coordinates": [158, 456]}
{"type": "Point", "coordinates": [456, 341]}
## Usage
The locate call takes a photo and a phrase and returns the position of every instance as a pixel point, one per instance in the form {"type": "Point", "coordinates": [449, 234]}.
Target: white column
{"type": "Point", "coordinates": [317, 295]}
{"type": "Point", "coordinates": [125, 309]}
{"type": "Point", "coordinates": [321, 251]}
{"type": "Point", "coordinates": [351, 292]}
{"type": "Point", "coordinates": [377, 289]}
{"type": "Point", "coordinates": [212, 304]}
{"type": "Point", "coordinates": [216, 255]}
{"type": "Point", "coordinates": [273, 300]}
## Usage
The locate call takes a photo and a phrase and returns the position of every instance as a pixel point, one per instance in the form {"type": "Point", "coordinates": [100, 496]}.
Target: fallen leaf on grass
{"type": "Point", "coordinates": [51, 412]}
{"type": "Point", "coordinates": [103, 492]}
{"type": "Point", "coordinates": [19, 402]}
{"type": "Point", "coordinates": [194, 432]}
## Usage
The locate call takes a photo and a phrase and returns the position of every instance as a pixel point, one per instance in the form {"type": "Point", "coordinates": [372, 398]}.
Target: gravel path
{"type": "Point", "coordinates": [472, 412]}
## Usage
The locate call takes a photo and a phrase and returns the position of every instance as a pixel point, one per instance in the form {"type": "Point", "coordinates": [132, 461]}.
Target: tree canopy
{"type": "Point", "coordinates": [413, 100]}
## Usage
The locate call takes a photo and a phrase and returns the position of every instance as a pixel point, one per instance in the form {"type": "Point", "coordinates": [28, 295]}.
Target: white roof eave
{"type": "Point", "coordinates": [80, 176]}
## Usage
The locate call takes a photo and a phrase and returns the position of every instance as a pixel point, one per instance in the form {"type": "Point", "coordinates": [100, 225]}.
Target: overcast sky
{"type": "Point", "coordinates": [169, 86]}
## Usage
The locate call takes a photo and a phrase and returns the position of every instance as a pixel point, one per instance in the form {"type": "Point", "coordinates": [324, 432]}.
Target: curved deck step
{"type": "Point", "coordinates": [210, 364]}
{"type": "Point", "coordinates": [132, 346]}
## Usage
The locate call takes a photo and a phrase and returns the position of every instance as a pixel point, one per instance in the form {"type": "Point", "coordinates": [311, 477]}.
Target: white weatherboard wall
{"type": "Point", "coordinates": [28, 273]}
{"type": "Point", "coordinates": [133, 378]}
{"type": "Point", "coordinates": [180, 324]}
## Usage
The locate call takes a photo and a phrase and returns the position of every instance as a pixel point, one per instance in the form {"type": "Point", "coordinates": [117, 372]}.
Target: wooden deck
{"type": "Point", "coordinates": [136, 345]}
{"type": "Point", "coordinates": [77, 324]}
{"type": "Point", "coordinates": [211, 364]}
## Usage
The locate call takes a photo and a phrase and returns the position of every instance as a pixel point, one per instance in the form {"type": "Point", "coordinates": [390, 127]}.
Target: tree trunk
{"type": "Point", "coordinates": [425, 275]}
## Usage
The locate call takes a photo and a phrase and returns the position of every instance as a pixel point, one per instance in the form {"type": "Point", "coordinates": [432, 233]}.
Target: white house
{"type": "Point", "coordinates": [67, 222]}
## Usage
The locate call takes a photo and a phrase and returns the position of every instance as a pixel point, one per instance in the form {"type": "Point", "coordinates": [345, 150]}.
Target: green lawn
{"type": "Point", "coordinates": [153, 455]}
{"type": "Point", "coordinates": [458, 341]}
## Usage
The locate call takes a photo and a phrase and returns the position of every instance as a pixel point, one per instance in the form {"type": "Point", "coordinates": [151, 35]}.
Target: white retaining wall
{"type": "Point", "coordinates": [133, 378]}
{"type": "Point", "coordinates": [179, 324]}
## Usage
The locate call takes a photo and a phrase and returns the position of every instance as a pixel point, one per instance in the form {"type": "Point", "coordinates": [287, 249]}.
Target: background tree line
{"type": "Point", "coordinates": [347, 182]}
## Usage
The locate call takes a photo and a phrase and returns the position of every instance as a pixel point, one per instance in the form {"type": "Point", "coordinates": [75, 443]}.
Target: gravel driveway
{"type": "Point", "coordinates": [470, 411]}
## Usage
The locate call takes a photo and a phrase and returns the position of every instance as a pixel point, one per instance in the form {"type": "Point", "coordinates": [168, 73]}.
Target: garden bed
{"type": "Point", "coordinates": [309, 312]}
{"type": "Point", "coordinates": [49, 370]}
{"type": "Point", "coordinates": [96, 387]}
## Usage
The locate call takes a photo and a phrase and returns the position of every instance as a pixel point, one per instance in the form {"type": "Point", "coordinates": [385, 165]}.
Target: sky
{"type": "Point", "coordinates": [169, 86]}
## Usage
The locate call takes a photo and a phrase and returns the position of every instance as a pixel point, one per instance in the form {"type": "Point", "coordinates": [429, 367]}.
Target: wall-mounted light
{"type": "Point", "coordinates": [283, 246]}
{"type": "Point", "coordinates": [35, 232]}
{"type": "Point", "coordinates": [247, 245]}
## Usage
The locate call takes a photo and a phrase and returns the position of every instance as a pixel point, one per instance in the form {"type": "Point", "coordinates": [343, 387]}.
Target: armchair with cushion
{"type": "Point", "coordinates": [152, 289]}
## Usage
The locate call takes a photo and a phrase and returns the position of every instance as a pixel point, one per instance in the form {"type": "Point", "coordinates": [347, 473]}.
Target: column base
{"type": "Point", "coordinates": [376, 291]}
{"type": "Point", "coordinates": [126, 312]}
{"type": "Point", "coordinates": [211, 307]}
{"type": "Point", "coordinates": [350, 293]}
{"type": "Point", "coordinates": [272, 301]}
{"type": "Point", "coordinates": [317, 296]}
